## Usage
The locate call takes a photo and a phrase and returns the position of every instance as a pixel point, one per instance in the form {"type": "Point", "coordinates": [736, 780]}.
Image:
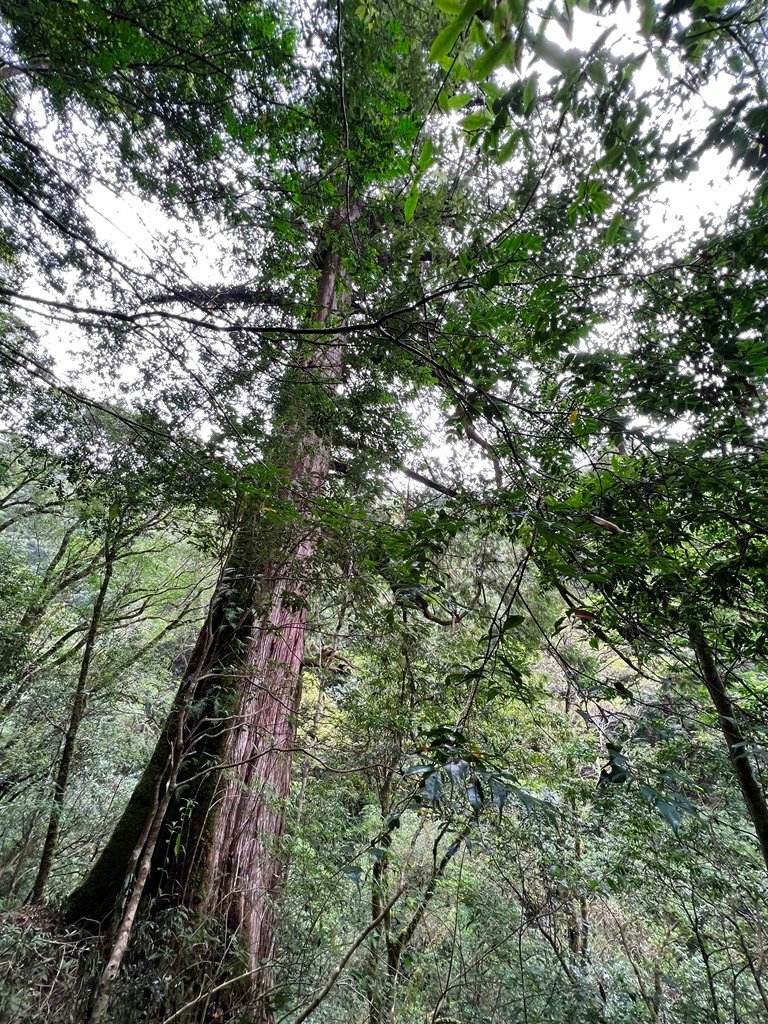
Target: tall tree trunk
{"type": "Point", "coordinates": [70, 739]}
{"type": "Point", "coordinates": [752, 792]}
{"type": "Point", "coordinates": [243, 863]}
{"type": "Point", "coordinates": [236, 708]}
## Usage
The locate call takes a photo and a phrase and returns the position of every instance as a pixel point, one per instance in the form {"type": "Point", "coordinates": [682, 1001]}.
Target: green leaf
{"type": "Point", "coordinates": [474, 122]}
{"type": "Point", "coordinates": [511, 622]}
{"type": "Point", "coordinates": [615, 229]}
{"type": "Point", "coordinates": [530, 93]}
{"type": "Point", "coordinates": [446, 39]}
{"type": "Point", "coordinates": [611, 158]}
{"type": "Point", "coordinates": [458, 69]}
{"type": "Point", "coordinates": [452, 7]}
{"type": "Point", "coordinates": [509, 146]}
{"type": "Point", "coordinates": [410, 203]}
{"type": "Point", "coordinates": [426, 156]}
{"type": "Point", "coordinates": [478, 34]}
{"type": "Point", "coordinates": [598, 74]}
{"type": "Point", "coordinates": [647, 16]}
{"type": "Point", "coordinates": [458, 101]}
{"type": "Point", "coordinates": [493, 58]}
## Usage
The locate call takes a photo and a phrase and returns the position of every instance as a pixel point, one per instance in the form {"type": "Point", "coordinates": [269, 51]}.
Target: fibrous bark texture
{"type": "Point", "coordinates": [243, 863]}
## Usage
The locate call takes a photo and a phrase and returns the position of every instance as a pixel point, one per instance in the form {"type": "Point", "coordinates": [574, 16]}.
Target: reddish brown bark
{"type": "Point", "coordinates": [244, 864]}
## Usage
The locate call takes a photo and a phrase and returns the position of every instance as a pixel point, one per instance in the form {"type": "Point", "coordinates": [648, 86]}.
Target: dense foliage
{"type": "Point", "coordinates": [382, 515]}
